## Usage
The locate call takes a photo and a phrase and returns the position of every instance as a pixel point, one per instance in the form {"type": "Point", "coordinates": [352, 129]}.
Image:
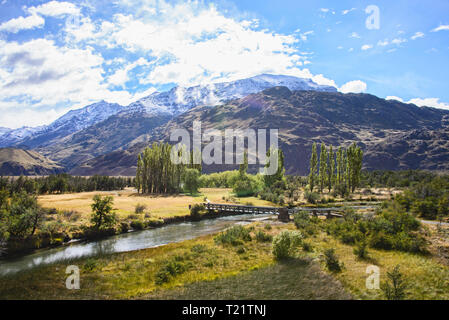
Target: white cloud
{"type": "Point", "coordinates": [356, 86]}
{"type": "Point", "coordinates": [344, 12]}
{"type": "Point", "coordinates": [354, 35]}
{"type": "Point", "coordinates": [324, 10]}
{"type": "Point", "coordinates": [417, 35]}
{"type": "Point", "coordinates": [430, 102]}
{"type": "Point", "coordinates": [394, 98]}
{"type": "Point", "coordinates": [441, 28]}
{"type": "Point", "coordinates": [21, 23]}
{"type": "Point", "coordinates": [398, 41]}
{"type": "Point", "coordinates": [191, 44]}
{"type": "Point", "coordinates": [55, 9]}
{"type": "Point", "coordinates": [426, 102]}
{"type": "Point", "coordinates": [383, 43]}
{"type": "Point", "coordinates": [366, 47]}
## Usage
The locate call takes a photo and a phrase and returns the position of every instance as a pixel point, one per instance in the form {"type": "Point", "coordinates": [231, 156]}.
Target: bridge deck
{"type": "Point", "coordinates": [235, 208]}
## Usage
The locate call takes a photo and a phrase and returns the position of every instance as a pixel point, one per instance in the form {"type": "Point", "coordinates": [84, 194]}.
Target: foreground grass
{"type": "Point", "coordinates": [426, 278]}
{"type": "Point", "coordinates": [294, 279]}
{"type": "Point", "coordinates": [227, 272]}
{"type": "Point", "coordinates": [133, 274]}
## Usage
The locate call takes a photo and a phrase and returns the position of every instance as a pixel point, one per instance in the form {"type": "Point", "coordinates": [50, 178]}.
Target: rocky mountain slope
{"type": "Point", "coordinates": [16, 162]}
{"type": "Point", "coordinates": [304, 117]}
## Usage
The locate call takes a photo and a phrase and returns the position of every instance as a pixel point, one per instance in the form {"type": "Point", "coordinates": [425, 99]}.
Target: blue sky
{"type": "Point", "coordinates": [60, 55]}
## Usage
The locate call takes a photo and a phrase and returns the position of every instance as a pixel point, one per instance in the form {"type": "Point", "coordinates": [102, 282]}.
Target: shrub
{"type": "Point", "coordinates": [199, 248]}
{"type": "Point", "coordinates": [332, 262]}
{"type": "Point", "coordinates": [304, 223]}
{"type": "Point", "coordinates": [241, 250]}
{"type": "Point", "coordinates": [268, 226]}
{"type": "Point", "coordinates": [311, 197]}
{"type": "Point", "coordinates": [137, 225]}
{"type": "Point", "coordinates": [285, 243]}
{"type": "Point", "coordinates": [196, 211]}
{"type": "Point", "coordinates": [90, 264]}
{"type": "Point", "coordinates": [306, 246]}
{"type": "Point", "coordinates": [234, 236]}
{"type": "Point", "coordinates": [263, 237]}
{"type": "Point", "coordinates": [361, 249]}
{"type": "Point", "coordinates": [394, 288]}
{"type": "Point", "coordinates": [171, 268]}
{"type": "Point", "coordinates": [140, 208]}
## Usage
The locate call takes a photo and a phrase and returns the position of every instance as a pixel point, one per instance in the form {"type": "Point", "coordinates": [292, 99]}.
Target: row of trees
{"type": "Point", "coordinates": [157, 173]}
{"type": "Point", "coordinates": [339, 171]}
{"type": "Point", "coordinates": [63, 183]}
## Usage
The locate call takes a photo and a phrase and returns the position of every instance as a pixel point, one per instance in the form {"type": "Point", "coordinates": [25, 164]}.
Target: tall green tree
{"type": "Point", "coordinates": [270, 180]}
{"type": "Point", "coordinates": [313, 167]}
{"type": "Point", "coordinates": [103, 215]}
{"type": "Point", "coordinates": [331, 169]}
{"type": "Point", "coordinates": [323, 167]}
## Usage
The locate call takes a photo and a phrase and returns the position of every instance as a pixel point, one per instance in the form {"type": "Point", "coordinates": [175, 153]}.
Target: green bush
{"type": "Point", "coordinates": [332, 262]}
{"type": "Point", "coordinates": [361, 249]}
{"type": "Point", "coordinates": [140, 208]}
{"type": "Point", "coordinates": [395, 286]}
{"type": "Point", "coordinates": [311, 197]}
{"type": "Point", "coordinates": [306, 246]}
{"type": "Point", "coordinates": [137, 225]}
{"type": "Point", "coordinates": [171, 268]}
{"type": "Point", "coordinates": [234, 236]}
{"type": "Point", "coordinates": [197, 211]}
{"type": "Point", "coordinates": [263, 237]}
{"type": "Point", "coordinates": [285, 243]}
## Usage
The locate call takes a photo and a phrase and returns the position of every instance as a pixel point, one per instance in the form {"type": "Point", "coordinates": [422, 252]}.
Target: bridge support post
{"type": "Point", "coordinates": [283, 215]}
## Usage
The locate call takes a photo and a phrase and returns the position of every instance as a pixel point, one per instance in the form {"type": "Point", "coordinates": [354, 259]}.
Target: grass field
{"type": "Point", "coordinates": [215, 271]}
{"type": "Point", "coordinates": [126, 200]}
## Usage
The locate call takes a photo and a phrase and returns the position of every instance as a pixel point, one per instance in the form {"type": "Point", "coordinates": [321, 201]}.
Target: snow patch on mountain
{"type": "Point", "coordinates": [180, 99]}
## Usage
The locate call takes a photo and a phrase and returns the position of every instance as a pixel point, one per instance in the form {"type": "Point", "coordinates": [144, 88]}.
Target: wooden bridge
{"type": "Point", "coordinates": [283, 213]}
{"type": "Point", "coordinates": [234, 208]}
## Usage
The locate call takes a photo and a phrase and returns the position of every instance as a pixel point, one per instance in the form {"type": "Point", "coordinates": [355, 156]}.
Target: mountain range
{"type": "Point", "coordinates": [105, 138]}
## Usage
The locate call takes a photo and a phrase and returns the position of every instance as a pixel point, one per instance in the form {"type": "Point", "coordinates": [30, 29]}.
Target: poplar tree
{"type": "Point", "coordinates": [331, 169]}
{"type": "Point", "coordinates": [323, 167]}
{"type": "Point", "coordinates": [313, 167]}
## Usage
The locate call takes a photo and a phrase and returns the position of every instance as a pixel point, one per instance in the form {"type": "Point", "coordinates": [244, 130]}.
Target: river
{"type": "Point", "coordinates": [124, 242]}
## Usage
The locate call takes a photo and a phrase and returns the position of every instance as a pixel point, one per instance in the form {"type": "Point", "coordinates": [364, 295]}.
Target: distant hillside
{"type": "Point", "coordinates": [16, 162]}
{"type": "Point", "coordinates": [304, 117]}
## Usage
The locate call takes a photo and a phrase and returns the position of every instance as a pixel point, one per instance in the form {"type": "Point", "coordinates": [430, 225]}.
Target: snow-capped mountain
{"type": "Point", "coordinates": [85, 117]}
{"type": "Point", "coordinates": [159, 104]}
{"type": "Point", "coordinates": [71, 122]}
{"type": "Point", "coordinates": [180, 99]}
{"type": "Point", "coordinates": [12, 136]}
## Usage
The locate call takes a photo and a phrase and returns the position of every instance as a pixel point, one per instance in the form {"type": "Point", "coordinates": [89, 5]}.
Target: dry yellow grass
{"type": "Point", "coordinates": [126, 200]}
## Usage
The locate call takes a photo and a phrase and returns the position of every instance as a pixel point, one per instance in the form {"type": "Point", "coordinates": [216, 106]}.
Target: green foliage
{"type": "Point", "coordinates": [140, 208]}
{"type": "Point", "coordinates": [20, 215]}
{"type": "Point", "coordinates": [103, 215]}
{"type": "Point", "coordinates": [62, 183]}
{"type": "Point", "coordinates": [90, 264]}
{"type": "Point", "coordinates": [361, 249]}
{"type": "Point", "coordinates": [263, 237]}
{"type": "Point", "coordinates": [285, 243]}
{"type": "Point", "coordinates": [171, 268]}
{"type": "Point", "coordinates": [390, 229]}
{"type": "Point", "coordinates": [197, 210]}
{"type": "Point", "coordinates": [313, 168]}
{"type": "Point", "coordinates": [233, 236]}
{"type": "Point", "coordinates": [304, 223]}
{"type": "Point", "coordinates": [311, 197]}
{"type": "Point", "coordinates": [278, 176]}
{"type": "Point", "coordinates": [157, 172]}
{"type": "Point", "coordinates": [395, 287]}
{"type": "Point", "coordinates": [191, 180]}
{"type": "Point", "coordinates": [332, 262]}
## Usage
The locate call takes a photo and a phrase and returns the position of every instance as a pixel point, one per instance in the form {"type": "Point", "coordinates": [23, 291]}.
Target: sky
{"type": "Point", "coordinates": [61, 55]}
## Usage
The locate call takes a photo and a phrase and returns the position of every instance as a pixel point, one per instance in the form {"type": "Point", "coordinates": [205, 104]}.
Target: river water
{"type": "Point", "coordinates": [125, 242]}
